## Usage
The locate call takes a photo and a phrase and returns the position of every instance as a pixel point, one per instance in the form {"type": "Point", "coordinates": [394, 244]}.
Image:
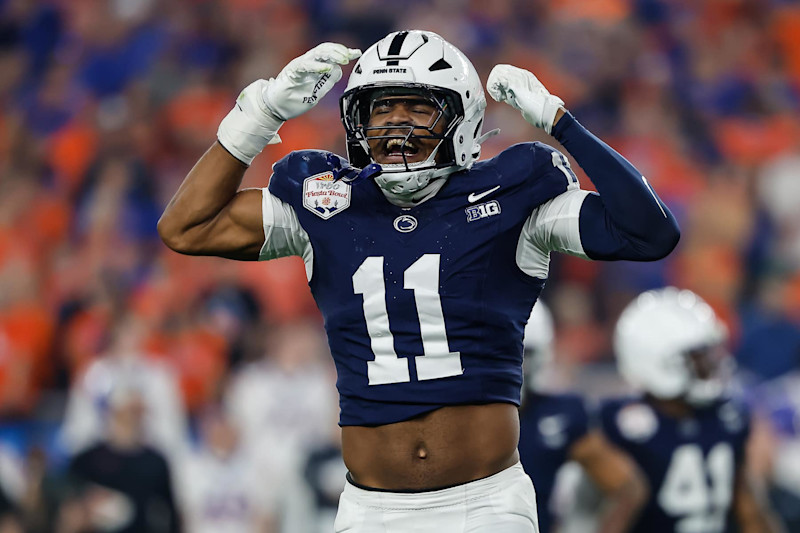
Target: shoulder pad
{"type": "Point", "coordinates": [537, 168]}
{"type": "Point", "coordinates": [734, 414]}
{"type": "Point", "coordinates": [632, 420]}
{"type": "Point", "coordinates": [289, 172]}
{"type": "Point", "coordinates": [520, 157]}
{"type": "Point", "coordinates": [612, 405]}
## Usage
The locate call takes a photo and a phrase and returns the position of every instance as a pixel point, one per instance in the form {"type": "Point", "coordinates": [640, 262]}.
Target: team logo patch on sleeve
{"type": "Point", "coordinates": [637, 422]}
{"type": "Point", "coordinates": [325, 197]}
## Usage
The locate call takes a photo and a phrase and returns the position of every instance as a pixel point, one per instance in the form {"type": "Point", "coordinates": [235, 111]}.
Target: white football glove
{"type": "Point", "coordinates": [522, 91]}
{"type": "Point", "coordinates": [264, 105]}
{"type": "Point", "coordinates": [306, 79]}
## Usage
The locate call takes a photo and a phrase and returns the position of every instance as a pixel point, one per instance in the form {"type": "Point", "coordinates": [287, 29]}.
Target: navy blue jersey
{"type": "Point", "coordinates": [549, 425]}
{"type": "Point", "coordinates": [425, 306]}
{"type": "Point", "coordinates": [690, 463]}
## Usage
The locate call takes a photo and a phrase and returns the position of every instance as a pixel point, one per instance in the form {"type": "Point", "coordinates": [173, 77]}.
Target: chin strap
{"type": "Point", "coordinates": [487, 135]}
{"type": "Point", "coordinates": [351, 175]}
{"type": "Point", "coordinates": [436, 182]}
{"type": "Point", "coordinates": [436, 178]}
{"type": "Point", "coordinates": [392, 183]}
{"type": "Point", "coordinates": [704, 392]}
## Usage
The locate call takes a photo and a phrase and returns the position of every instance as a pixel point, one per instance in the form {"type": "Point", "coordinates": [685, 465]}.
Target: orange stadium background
{"type": "Point", "coordinates": [106, 105]}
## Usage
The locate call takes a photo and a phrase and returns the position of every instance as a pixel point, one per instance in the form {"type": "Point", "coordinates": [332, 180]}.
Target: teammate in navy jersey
{"type": "Point", "coordinates": [556, 428]}
{"type": "Point", "coordinates": [687, 436]}
{"type": "Point", "coordinates": [424, 261]}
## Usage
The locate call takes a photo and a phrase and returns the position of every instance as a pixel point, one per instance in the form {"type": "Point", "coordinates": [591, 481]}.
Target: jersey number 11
{"type": "Point", "coordinates": [422, 277]}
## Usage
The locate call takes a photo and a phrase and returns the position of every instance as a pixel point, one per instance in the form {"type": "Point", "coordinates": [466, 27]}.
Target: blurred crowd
{"type": "Point", "coordinates": [109, 341]}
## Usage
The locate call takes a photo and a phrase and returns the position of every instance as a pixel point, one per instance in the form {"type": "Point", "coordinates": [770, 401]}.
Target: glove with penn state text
{"type": "Point", "coordinates": [306, 79]}
{"type": "Point", "coordinates": [521, 90]}
{"type": "Point", "coordinates": [264, 105]}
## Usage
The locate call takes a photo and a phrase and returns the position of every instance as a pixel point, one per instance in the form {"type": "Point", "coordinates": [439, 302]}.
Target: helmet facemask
{"type": "Point", "coordinates": [357, 109]}
{"type": "Point", "coordinates": [709, 368]}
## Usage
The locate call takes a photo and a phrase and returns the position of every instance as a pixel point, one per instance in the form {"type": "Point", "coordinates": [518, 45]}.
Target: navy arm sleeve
{"type": "Point", "coordinates": [626, 220]}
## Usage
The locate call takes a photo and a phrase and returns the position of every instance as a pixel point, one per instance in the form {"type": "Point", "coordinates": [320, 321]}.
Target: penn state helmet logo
{"type": "Point", "coordinates": [405, 223]}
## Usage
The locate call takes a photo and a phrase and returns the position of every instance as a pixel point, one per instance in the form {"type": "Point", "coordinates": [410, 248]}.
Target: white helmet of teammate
{"type": "Point", "coordinates": [538, 347]}
{"type": "Point", "coordinates": [416, 62]}
{"type": "Point", "coordinates": [668, 343]}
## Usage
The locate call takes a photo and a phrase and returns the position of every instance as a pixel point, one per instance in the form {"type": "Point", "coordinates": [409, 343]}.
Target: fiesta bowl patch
{"type": "Point", "coordinates": [324, 196]}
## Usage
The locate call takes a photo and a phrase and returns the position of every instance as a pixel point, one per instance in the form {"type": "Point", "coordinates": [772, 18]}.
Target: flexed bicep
{"type": "Point", "coordinates": [207, 216]}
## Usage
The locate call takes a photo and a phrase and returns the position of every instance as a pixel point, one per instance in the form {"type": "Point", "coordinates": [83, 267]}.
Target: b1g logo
{"type": "Point", "coordinates": [325, 197]}
{"type": "Point", "coordinates": [476, 212]}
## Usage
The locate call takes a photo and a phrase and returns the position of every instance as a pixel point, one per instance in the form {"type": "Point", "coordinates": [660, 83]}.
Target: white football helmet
{"type": "Point", "coordinates": [538, 346]}
{"type": "Point", "coordinates": [668, 342]}
{"type": "Point", "coordinates": [416, 62]}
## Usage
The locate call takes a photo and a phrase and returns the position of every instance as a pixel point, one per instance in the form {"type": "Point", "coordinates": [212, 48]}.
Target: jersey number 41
{"type": "Point", "coordinates": [697, 490]}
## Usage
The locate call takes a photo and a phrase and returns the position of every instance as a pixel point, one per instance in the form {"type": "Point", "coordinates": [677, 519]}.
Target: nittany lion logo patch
{"type": "Point", "coordinates": [325, 197]}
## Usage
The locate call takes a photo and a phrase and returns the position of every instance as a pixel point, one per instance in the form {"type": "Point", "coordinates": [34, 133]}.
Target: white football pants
{"type": "Point", "coordinates": [502, 503]}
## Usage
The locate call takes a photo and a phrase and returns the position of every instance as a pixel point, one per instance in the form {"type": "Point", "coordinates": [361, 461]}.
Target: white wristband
{"type": "Point", "coordinates": [250, 125]}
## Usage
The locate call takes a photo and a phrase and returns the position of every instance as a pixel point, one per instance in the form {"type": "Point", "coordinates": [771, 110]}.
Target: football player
{"type": "Point", "coordinates": [424, 261]}
{"type": "Point", "coordinates": [684, 432]}
{"type": "Point", "coordinates": [555, 428]}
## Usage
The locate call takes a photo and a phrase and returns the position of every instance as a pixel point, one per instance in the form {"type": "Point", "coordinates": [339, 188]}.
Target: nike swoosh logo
{"type": "Point", "coordinates": [474, 197]}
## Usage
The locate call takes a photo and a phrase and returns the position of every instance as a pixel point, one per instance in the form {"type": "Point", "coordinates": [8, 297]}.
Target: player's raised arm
{"type": "Point", "coordinates": [209, 215]}
{"type": "Point", "coordinates": [626, 220]}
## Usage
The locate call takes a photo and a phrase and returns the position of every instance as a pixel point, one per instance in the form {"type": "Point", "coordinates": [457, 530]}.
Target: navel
{"type": "Point", "coordinates": [422, 453]}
